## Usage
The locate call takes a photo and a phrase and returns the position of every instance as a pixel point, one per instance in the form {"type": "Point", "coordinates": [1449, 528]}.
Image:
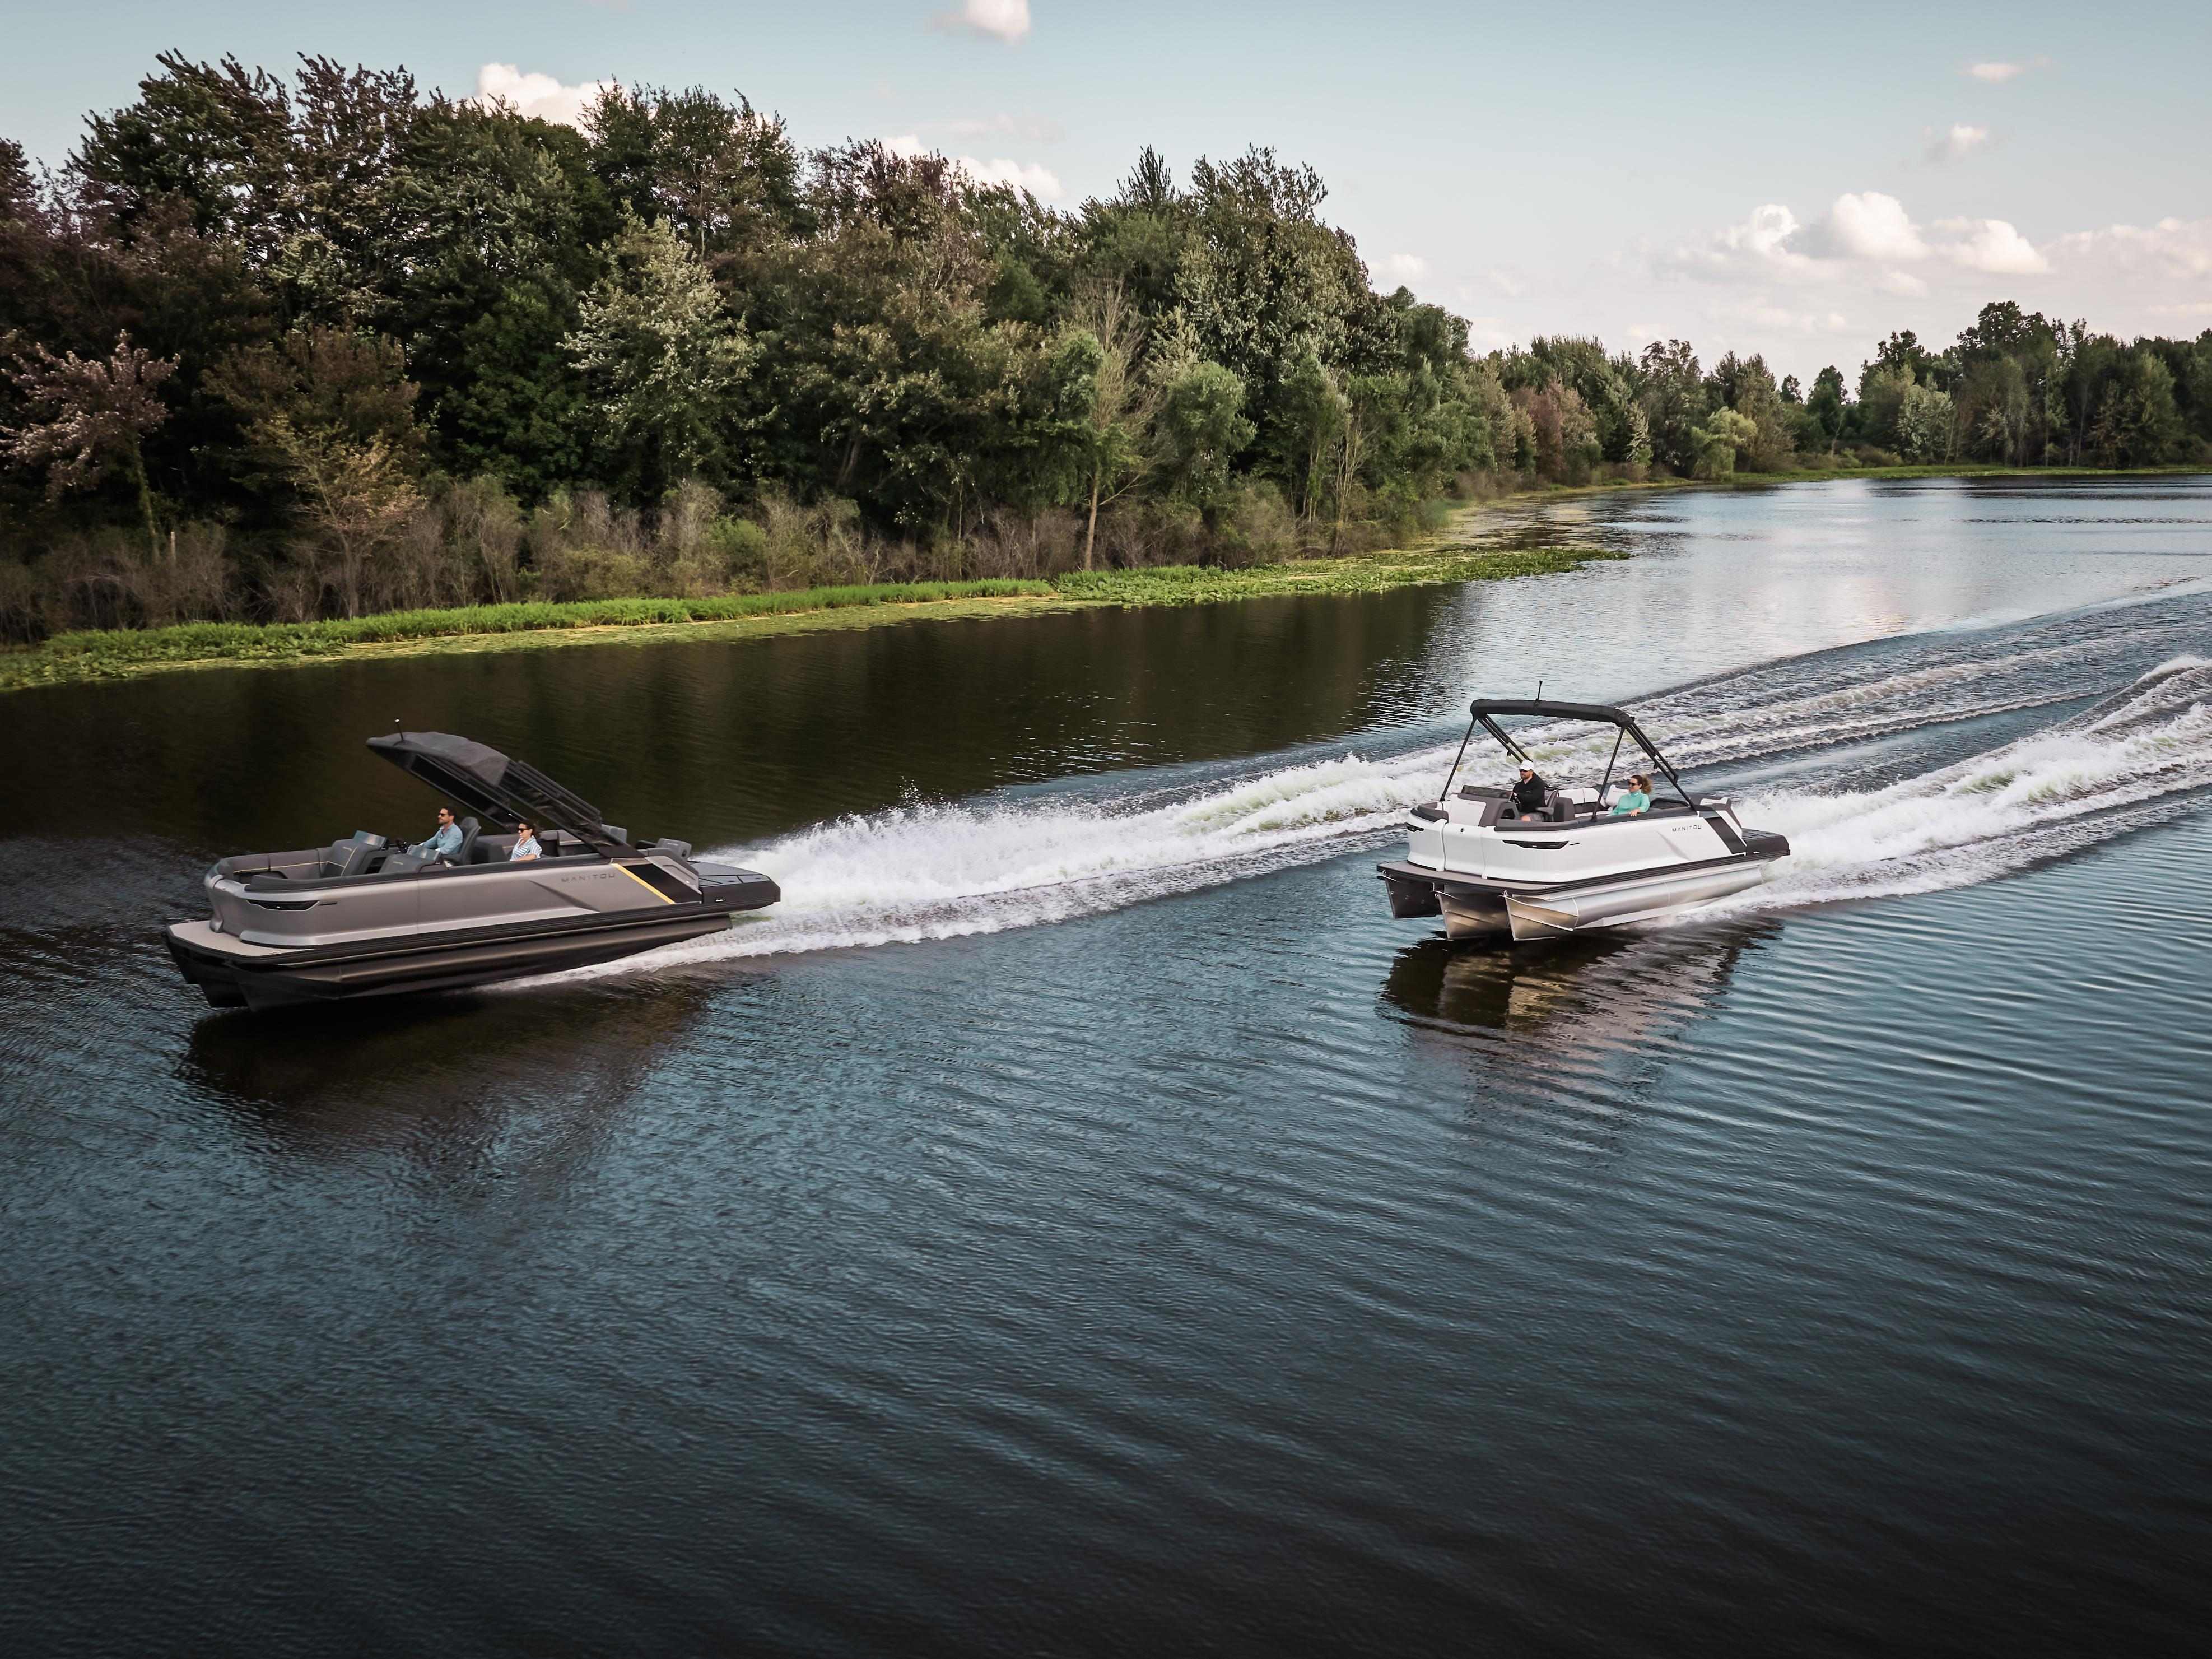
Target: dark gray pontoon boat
{"type": "Point", "coordinates": [1493, 870]}
{"type": "Point", "coordinates": [365, 917]}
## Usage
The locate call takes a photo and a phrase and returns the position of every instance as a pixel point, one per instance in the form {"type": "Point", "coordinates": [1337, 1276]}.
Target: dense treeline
{"type": "Point", "coordinates": [290, 349]}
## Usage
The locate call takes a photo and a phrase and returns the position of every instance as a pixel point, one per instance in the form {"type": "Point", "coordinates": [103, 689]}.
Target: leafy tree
{"type": "Point", "coordinates": [1746, 386]}
{"type": "Point", "coordinates": [214, 138]}
{"type": "Point", "coordinates": [84, 415]}
{"type": "Point", "coordinates": [355, 495]}
{"type": "Point", "coordinates": [1138, 240]}
{"type": "Point", "coordinates": [1119, 405]}
{"type": "Point", "coordinates": [1376, 417]}
{"type": "Point", "coordinates": [1927, 423]}
{"type": "Point", "coordinates": [1880, 401]}
{"type": "Point", "coordinates": [1675, 401]}
{"type": "Point", "coordinates": [2136, 424]}
{"type": "Point", "coordinates": [722, 176]}
{"type": "Point", "coordinates": [1605, 385]}
{"type": "Point", "coordinates": [1202, 430]}
{"type": "Point", "coordinates": [1719, 441]}
{"type": "Point", "coordinates": [662, 358]}
{"type": "Point", "coordinates": [1996, 412]}
{"type": "Point", "coordinates": [1312, 412]}
{"type": "Point", "coordinates": [1825, 407]}
{"type": "Point", "coordinates": [1638, 448]}
{"type": "Point", "coordinates": [351, 287]}
{"type": "Point", "coordinates": [502, 227]}
{"type": "Point", "coordinates": [328, 386]}
{"type": "Point", "coordinates": [2193, 385]}
{"type": "Point", "coordinates": [1563, 431]}
{"type": "Point", "coordinates": [329, 441]}
{"type": "Point", "coordinates": [1264, 280]}
{"type": "Point", "coordinates": [1902, 353]}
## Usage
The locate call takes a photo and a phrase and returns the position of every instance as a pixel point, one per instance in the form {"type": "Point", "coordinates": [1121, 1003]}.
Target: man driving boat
{"type": "Point", "coordinates": [444, 843]}
{"type": "Point", "coordinates": [1530, 793]}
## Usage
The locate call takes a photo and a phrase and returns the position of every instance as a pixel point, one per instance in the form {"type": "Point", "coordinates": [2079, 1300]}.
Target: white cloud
{"type": "Point", "coordinates": [1868, 225]}
{"type": "Point", "coordinates": [1039, 181]}
{"type": "Point", "coordinates": [1404, 267]}
{"type": "Point", "coordinates": [1958, 142]}
{"type": "Point", "coordinates": [1489, 333]}
{"type": "Point", "coordinates": [1997, 72]}
{"type": "Point", "coordinates": [1008, 20]}
{"type": "Point", "coordinates": [540, 95]}
{"type": "Point", "coordinates": [1861, 230]}
{"type": "Point", "coordinates": [1990, 246]}
{"type": "Point", "coordinates": [2172, 250]}
{"type": "Point", "coordinates": [1759, 246]}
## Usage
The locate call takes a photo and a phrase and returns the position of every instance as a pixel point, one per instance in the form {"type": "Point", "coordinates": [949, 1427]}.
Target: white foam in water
{"type": "Point", "coordinates": [2132, 761]}
{"type": "Point", "coordinates": [940, 871]}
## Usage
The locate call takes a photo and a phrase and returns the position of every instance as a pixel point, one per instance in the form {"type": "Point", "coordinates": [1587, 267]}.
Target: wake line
{"type": "Point", "coordinates": [947, 871]}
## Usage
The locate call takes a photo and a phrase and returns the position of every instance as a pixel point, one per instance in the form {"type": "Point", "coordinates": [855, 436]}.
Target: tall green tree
{"type": "Point", "coordinates": [662, 358]}
{"type": "Point", "coordinates": [1118, 403]}
{"type": "Point", "coordinates": [1674, 402]}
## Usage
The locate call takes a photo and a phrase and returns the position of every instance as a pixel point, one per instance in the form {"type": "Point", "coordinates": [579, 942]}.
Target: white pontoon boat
{"type": "Point", "coordinates": [1494, 870]}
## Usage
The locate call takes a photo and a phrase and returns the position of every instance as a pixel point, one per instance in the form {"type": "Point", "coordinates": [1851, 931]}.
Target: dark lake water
{"type": "Point", "coordinates": [1080, 1220]}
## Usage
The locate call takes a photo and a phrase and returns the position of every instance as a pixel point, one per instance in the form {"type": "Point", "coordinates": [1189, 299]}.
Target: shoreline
{"type": "Point", "coordinates": [104, 658]}
{"type": "Point", "coordinates": [1455, 554]}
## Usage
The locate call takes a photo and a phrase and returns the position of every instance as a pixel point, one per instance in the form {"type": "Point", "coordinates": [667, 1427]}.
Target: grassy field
{"type": "Point", "coordinates": [125, 652]}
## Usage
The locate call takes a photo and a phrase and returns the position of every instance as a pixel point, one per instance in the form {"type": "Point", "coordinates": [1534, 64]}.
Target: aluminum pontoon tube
{"type": "Point", "coordinates": [1554, 913]}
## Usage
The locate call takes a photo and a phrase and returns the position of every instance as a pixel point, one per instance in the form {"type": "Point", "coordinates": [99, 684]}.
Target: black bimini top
{"type": "Point", "coordinates": [1485, 710]}
{"type": "Point", "coordinates": [482, 780]}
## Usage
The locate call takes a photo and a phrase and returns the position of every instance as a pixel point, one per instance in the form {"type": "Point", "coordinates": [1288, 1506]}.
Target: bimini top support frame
{"type": "Point", "coordinates": [1486, 709]}
{"type": "Point", "coordinates": [497, 787]}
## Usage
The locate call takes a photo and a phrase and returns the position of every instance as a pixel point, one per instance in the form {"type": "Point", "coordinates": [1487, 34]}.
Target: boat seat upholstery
{"type": "Point", "coordinates": [469, 830]}
{"type": "Point", "coordinates": [349, 857]}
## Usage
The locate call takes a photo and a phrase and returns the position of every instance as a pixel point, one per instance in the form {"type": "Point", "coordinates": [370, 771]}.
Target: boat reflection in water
{"type": "Point", "coordinates": [497, 1078]}
{"type": "Point", "coordinates": [1579, 1006]}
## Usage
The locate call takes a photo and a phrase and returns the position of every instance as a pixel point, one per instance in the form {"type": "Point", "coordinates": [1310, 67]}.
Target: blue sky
{"type": "Point", "coordinates": [1795, 180]}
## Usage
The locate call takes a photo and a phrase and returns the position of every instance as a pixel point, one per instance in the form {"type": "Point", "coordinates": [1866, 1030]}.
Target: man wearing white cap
{"type": "Point", "coordinates": [1530, 793]}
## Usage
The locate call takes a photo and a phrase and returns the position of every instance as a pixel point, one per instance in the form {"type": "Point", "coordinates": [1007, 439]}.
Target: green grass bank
{"type": "Point", "coordinates": [121, 654]}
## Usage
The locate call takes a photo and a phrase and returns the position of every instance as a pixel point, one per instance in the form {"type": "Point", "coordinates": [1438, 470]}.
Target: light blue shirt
{"type": "Point", "coordinates": [443, 845]}
{"type": "Point", "coordinates": [526, 849]}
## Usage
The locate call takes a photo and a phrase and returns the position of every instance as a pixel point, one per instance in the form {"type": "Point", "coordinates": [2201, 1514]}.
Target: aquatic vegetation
{"type": "Point", "coordinates": [108, 653]}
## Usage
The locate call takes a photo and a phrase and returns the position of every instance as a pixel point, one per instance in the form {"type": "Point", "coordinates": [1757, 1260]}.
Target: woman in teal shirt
{"type": "Point", "coordinates": [1638, 797]}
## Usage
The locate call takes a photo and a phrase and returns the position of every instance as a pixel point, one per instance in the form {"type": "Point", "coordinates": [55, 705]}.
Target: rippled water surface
{"type": "Point", "coordinates": [1080, 1220]}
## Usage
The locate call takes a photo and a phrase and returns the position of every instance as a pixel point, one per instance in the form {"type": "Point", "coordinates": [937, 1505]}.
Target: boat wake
{"type": "Point", "coordinates": [927, 872]}
{"type": "Point", "coordinates": [2135, 760]}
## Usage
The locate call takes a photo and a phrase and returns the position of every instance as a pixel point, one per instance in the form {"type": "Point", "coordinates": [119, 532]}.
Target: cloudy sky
{"type": "Point", "coordinates": [1797, 180]}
